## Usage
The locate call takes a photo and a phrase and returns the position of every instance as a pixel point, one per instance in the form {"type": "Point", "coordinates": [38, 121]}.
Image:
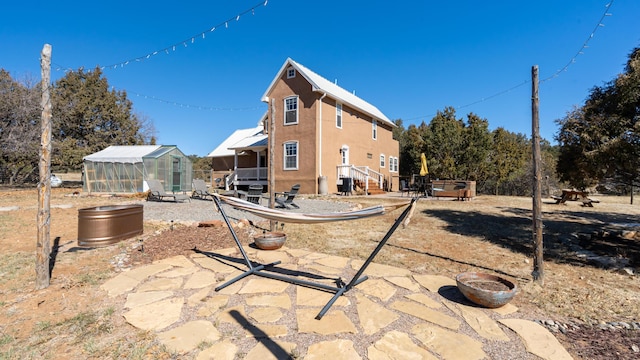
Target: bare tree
{"type": "Point", "coordinates": [19, 128]}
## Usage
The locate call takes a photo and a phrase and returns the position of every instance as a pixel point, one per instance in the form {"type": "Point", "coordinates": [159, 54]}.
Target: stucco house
{"type": "Point", "coordinates": [321, 135]}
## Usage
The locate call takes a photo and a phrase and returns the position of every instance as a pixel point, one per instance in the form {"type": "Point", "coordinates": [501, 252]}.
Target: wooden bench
{"type": "Point", "coordinates": [459, 194]}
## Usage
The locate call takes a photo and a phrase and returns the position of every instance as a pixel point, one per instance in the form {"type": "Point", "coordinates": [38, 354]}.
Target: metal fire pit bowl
{"type": "Point", "coordinates": [106, 225]}
{"type": "Point", "coordinates": [270, 240]}
{"type": "Point", "coordinates": [487, 290]}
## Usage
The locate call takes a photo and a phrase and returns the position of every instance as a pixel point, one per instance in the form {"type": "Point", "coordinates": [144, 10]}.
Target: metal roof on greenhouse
{"type": "Point", "coordinates": [124, 154]}
{"type": "Point", "coordinates": [160, 152]}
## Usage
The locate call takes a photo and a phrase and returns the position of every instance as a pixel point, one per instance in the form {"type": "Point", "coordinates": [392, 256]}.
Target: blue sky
{"type": "Point", "coordinates": [408, 58]}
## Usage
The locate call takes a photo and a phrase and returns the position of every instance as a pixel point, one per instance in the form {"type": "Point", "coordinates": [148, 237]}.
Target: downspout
{"type": "Point", "coordinates": [320, 135]}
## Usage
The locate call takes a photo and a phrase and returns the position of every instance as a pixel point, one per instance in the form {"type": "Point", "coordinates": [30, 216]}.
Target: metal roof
{"type": "Point", "coordinates": [160, 151]}
{"type": "Point", "coordinates": [122, 154]}
{"type": "Point", "coordinates": [252, 142]}
{"type": "Point", "coordinates": [226, 148]}
{"type": "Point", "coordinates": [334, 91]}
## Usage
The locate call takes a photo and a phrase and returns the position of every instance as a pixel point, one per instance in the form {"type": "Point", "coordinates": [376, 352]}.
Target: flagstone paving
{"type": "Point", "coordinates": [393, 315]}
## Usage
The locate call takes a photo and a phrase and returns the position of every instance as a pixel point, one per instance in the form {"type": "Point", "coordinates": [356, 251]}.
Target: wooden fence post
{"type": "Point", "coordinates": [538, 253]}
{"type": "Point", "coordinates": [43, 244]}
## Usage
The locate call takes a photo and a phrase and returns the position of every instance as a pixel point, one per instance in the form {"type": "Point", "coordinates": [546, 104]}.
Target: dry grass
{"type": "Point", "coordinates": [73, 319]}
{"type": "Point", "coordinates": [494, 234]}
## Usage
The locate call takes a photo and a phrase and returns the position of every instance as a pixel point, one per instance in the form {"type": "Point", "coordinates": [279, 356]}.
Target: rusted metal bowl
{"type": "Point", "coordinates": [270, 240]}
{"type": "Point", "coordinates": [487, 290]}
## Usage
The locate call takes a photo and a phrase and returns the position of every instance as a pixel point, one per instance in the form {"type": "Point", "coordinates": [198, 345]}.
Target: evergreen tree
{"type": "Point", "coordinates": [87, 117]}
{"type": "Point", "coordinates": [444, 144]}
{"type": "Point", "coordinates": [600, 141]}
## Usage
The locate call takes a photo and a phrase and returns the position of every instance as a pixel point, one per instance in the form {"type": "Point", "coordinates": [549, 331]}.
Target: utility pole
{"type": "Point", "coordinates": [538, 260]}
{"type": "Point", "coordinates": [43, 242]}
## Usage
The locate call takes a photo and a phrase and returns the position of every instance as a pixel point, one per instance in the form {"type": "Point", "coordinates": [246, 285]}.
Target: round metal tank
{"type": "Point", "coordinates": [106, 225]}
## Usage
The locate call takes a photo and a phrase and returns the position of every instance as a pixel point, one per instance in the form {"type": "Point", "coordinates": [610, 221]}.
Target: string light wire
{"type": "Point", "coordinates": [176, 46]}
{"type": "Point", "coordinates": [572, 61]}
{"type": "Point", "coordinates": [196, 107]}
{"type": "Point", "coordinates": [251, 10]}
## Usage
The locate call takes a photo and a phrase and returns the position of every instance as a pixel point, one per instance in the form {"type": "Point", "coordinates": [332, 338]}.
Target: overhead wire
{"type": "Point", "coordinates": [251, 10]}
{"type": "Point", "coordinates": [171, 48]}
{"type": "Point", "coordinates": [554, 75]}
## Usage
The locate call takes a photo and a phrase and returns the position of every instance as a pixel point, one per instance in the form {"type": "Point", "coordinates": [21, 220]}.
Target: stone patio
{"type": "Point", "coordinates": [395, 314]}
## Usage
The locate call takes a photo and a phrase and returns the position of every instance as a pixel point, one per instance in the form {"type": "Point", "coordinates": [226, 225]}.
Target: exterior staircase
{"type": "Point", "coordinates": [374, 189]}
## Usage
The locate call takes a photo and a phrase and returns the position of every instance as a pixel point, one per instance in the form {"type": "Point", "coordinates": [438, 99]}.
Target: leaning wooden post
{"type": "Point", "coordinates": [43, 245]}
{"type": "Point", "coordinates": [272, 171]}
{"type": "Point", "coordinates": [538, 260]}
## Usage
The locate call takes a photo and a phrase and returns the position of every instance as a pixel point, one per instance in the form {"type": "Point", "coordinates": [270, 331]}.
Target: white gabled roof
{"type": "Point", "coordinates": [122, 154]}
{"type": "Point", "coordinates": [332, 90]}
{"type": "Point", "coordinates": [255, 141]}
{"type": "Point", "coordinates": [226, 147]}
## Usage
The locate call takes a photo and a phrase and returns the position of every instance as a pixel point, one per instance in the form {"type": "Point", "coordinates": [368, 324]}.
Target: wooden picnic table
{"type": "Point", "coordinates": [575, 195]}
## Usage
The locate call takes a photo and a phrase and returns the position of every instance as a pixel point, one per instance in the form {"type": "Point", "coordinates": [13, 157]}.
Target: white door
{"type": "Point", "coordinates": [345, 155]}
{"type": "Point", "coordinates": [344, 152]}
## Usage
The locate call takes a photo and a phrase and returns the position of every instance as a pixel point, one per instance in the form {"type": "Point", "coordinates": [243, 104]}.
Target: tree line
{"type": "Point", "coordinates": [499, 161]}
{"type": "Point", "coordinates": [598, 143]}
{"type": "Point", "coordinates": [87, 117]}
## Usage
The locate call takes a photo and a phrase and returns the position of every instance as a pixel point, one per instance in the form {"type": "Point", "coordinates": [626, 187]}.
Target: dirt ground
{"type": "Point", "coordinates": [585, 284]}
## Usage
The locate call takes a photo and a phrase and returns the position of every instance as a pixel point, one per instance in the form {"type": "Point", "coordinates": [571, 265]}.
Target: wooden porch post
{"type": "Point", "coordinates": [272, 171]}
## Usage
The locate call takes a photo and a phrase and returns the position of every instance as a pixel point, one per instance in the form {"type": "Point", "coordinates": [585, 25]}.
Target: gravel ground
{"type": "Point", "coordinates": [202, 210]}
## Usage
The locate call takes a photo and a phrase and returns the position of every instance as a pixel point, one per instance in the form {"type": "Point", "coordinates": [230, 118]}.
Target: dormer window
{"type": "Point", "coordinates": [291, 73]}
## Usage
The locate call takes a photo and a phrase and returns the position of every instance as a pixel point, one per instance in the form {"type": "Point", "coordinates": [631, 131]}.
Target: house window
{"type": "Point", "coordinates": [393, 164]}
{"type": "Point", "coordinates": [374, 129]}
{"type": "Point", "coordinates": [291, 73]}
{"type": "Point", "coordinates": [291, 155]}
{"type": "Point", "coordinates": [382, 160]}
{"type": "Point", "coordinates": [339, 116]}
{"type": "Point", "coordinates": [291, 110]}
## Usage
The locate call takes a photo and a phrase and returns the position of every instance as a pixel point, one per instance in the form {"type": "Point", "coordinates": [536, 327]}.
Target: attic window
{"type": "Point", "coordinates": [291, 73]}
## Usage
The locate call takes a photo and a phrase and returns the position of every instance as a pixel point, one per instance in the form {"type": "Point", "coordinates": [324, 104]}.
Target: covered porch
{"type": "Point", "coordinates": [249, 163]}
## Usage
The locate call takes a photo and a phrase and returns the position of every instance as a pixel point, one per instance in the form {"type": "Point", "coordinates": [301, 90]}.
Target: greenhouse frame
{"type": "Point", "coordinates": [124, 169]}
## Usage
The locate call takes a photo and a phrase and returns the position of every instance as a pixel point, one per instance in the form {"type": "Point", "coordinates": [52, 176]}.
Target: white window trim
{"type": "Point", "coordinates": [374, 130]}
{"type": "Point", "coordinates": [286, 111]}
{"type": "Point", "coordinates": [393, 164]}
{"type": "Point", "coordinates": [284, 157]}
{"type": "Point", "coordinates": [383, 161]}
{"type": "Point", "coordinates": [291, 73]}
{"type": "Point", "coordinates": [339, 114]}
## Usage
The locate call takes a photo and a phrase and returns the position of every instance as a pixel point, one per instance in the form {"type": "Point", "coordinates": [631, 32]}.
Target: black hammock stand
{"type": "Point", "coordinates": [267, 270]}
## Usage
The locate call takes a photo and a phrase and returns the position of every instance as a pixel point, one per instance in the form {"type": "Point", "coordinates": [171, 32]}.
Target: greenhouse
{"type": "Point", "coordinates": [124, 169]}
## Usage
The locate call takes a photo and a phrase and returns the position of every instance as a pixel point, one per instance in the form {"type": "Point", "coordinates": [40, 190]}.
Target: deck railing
{"type": "Point", "coordinates": [245, 176]}
{"type": "Point", "coordinates": [362, 174]}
